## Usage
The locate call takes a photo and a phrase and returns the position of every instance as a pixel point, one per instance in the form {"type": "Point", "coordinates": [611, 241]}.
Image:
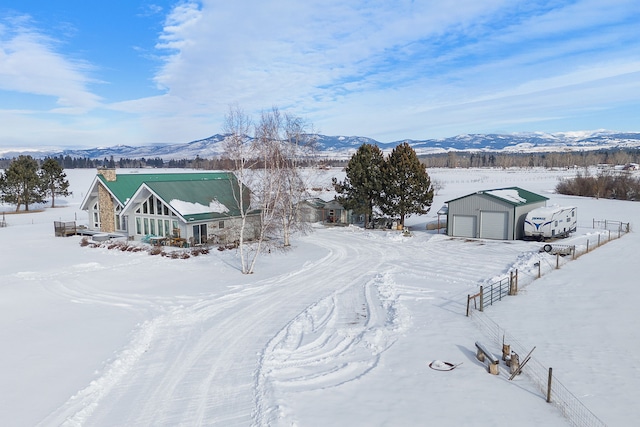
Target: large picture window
{"type": "Point", "coordinates": [200, 234]}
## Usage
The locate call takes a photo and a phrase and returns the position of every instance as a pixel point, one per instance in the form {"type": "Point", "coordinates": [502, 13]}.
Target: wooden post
{"type": "Point", "coordinates": [557, 261]}
{"type": "Point", "coordinates": [516, 281]}
{"type": "Point", "coordinates": [599, 239]}
{"type": "Point", "coordinates": [549, 386]}
{"type": "Point", "coordinates": [511, 290]}
{"type": "Point", "coordinates": [539, 272]}
{"type": "Point", "coordinates": [506, 351]}
{"type": "Point", "coordinates": [587, 245]}
{"type": "Point", "coordinates": [468, 300]}
{"type": "Point", "coordinates": [481, 298]}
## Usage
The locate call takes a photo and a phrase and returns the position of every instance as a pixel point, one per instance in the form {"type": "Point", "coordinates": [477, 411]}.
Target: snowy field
{"type": "Point", "coordinates": [339, 331]}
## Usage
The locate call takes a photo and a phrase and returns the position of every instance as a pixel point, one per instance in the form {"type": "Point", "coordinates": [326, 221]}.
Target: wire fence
{"type": "Point", "coordinates": [549, 259]}
{"type": "Point", "coordinates": [560, 397]}
{"type": "Point", "coordinates": [552, 256]}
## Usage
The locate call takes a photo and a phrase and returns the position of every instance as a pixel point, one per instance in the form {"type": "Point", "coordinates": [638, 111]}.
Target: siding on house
{"type": "Point", "coordinates": [492, 214]}
{"type": "Point", "coordinates": [199, 207]}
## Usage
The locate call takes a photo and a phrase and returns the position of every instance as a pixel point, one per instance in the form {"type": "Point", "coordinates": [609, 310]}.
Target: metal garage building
{"type": "Point", "coordinates": [492, 214]}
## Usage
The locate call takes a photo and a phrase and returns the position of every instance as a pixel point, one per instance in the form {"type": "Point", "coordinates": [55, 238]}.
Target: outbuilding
{"type": "Point", "coordinates": [492, 214]}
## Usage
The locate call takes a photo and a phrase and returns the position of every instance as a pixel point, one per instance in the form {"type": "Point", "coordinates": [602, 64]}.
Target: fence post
{"type": "Point", "coordinates": [549, 386]}
{"type": "Point", "coordinates": [481, 298]}
{"type": "Point", "coordinates": [587, 246]}
{"type": "Point", "coordinates": [511, 292]}
{"type": "Point", "coordinates": [557, 261]}
{"type": "Point", "coordinates": [599, 240]}
{"type": "Point", "coordinates": [516, 281]}
{"type": "Point", "coordinates": [468, 299]}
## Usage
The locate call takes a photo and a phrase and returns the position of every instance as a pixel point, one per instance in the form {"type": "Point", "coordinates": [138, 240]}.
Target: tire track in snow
{"type": "Point", "coordinates": [337, 340]}
{"type": "Point", "coordinates": [196, 363]}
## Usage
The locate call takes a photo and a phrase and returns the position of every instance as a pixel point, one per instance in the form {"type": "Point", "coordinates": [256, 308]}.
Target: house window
{"type": "Point", "coordinates": [151, 205]}
{"type": "Point", "coordinates": [152, 223]}
{"type": "Point", "coordinates": [146, 225]}
{"type": "Point", "coordinates": [138, 225]}
{"type": "Point", "coordinates": [118, 222]}
{"type": "Point", "coordinates": [159, 206]}
{"type": "Point", "coordinates": [167, 228]}
{"type": "Point", "coordinates": [145, 208]}
{"type": "Point", "coordinates": [221, 224]}
{"type": "Point", "coordinates": [199, 234]}
{"type": "Point", "coordinates": [95, 215]}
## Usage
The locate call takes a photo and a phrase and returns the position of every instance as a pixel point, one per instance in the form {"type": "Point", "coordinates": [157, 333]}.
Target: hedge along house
{"type": "Point", "coordinates": [492, 214]}
{"type": "Point", "coordinates": [195, 207]}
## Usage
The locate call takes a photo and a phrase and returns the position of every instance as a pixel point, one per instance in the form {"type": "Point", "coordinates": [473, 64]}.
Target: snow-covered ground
{"type": "Point", "coordinates": [339, 331]}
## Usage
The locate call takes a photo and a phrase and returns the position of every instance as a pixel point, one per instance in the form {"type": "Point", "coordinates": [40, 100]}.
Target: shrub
{"type": "Point", "coordinates": [156, 250]}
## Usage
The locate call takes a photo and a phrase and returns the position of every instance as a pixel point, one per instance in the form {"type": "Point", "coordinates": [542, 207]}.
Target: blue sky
{"type": "Point", "coordinates": [77, 73]}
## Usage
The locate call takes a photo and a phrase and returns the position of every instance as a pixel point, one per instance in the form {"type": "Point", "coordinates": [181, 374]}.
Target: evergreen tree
{"type": "Point", "coordinates": [54, 180]}
{"type": "Point", "coordinates": [360, 191]}
{"type": "Point", "coordinates": [407, 186]}
{"type": "Point", "coordinates": [20, 184]}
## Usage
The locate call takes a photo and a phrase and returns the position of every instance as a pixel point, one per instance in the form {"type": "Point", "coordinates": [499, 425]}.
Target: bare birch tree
{"type": "Point", "coordinates": [299, 147]}
{"type": "Point", "coordinates": [268, 164]}
{"type": "Point", "coordinates": [237, 147]}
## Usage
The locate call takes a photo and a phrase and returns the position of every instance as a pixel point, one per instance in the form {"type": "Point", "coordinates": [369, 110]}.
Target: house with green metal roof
{"type": "Point", "coordinates": [492, 214]}
{"type": "Point", "coordinates": [179, 208]}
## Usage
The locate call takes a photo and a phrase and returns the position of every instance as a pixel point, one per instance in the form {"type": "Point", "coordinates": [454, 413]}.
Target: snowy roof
{"type": "Point", "coordinates": [198, 196]}
{"type": "Point", "coordinates": [513, 195]}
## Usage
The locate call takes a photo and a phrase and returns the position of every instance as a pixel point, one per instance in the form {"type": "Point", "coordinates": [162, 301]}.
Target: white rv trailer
{"type": "Point", "coordinates": [550, 222]}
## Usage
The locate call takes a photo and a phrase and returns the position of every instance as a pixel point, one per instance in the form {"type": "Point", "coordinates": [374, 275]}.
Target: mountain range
{"type": "Point", "coordinates": [340, 147]}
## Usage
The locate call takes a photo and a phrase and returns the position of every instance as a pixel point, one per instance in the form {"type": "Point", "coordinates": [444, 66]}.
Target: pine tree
{"type": "Point", "coordinates": [360, 191]}
{"type": "Point", "coordinates": [20, 184]}
{"type": "Point", "coordinates": [54, 182]}
{"type": "Point", "coordinates": [407, 186]}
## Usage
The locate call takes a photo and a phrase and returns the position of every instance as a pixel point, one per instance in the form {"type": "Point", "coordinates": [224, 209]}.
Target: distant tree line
{"type": "Point", "coordinates": [605, 184]}
{"type": "Point", "coordinates": [565, 159]}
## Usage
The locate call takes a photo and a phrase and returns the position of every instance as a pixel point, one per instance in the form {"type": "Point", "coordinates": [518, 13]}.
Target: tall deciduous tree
{"type": "Point", "coordinates": [361, 189]}
{"type": "Point", "coordinates": [20, 184]}
{"type": "Point", "coordinates": [238, 149]}
{"type": "Point", "coordinates": [407, 186]}
{"type": "Point", "coordinates": [298, 146]}
{"type": "Point", "coordinates": [54, 180]}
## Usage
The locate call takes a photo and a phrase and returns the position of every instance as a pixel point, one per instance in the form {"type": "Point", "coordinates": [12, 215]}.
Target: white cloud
{"type": "Point", "coordinates": [362, 65]}
{"type": "Point", "coordinates": [29, 63]}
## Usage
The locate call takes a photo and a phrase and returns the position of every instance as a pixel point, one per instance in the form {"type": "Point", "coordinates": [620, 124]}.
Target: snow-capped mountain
{"type": "Point", "coordinates": [336, 147]}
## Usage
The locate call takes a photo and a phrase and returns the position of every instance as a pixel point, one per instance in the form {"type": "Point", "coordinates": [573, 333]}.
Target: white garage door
{"type": "Point", "coordinates": [493, 225]}
{"type": "Point", "coordinates": [464, 226]}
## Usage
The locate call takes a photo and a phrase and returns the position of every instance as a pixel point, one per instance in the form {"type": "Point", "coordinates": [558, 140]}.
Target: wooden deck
{"type": "Point", "coordinates": [70, 228]}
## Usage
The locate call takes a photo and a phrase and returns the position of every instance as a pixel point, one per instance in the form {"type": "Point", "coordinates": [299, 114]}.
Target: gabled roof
{"type": "Point", "coordinates": [193, 196]}
{"type": "Point", "coordinates": [198, 200]}
{"type": "Point", "coordinates": [126, 185]}
{"type": "Point", "coordinates": [515, 196]}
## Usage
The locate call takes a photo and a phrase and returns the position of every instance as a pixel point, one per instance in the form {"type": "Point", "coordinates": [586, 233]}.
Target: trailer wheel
{"type": "Point", "coordinates": [547, 248]}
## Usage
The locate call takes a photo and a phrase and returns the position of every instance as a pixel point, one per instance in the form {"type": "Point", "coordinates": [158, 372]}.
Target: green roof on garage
{"type": "Point", "coordinates": [515, 196]}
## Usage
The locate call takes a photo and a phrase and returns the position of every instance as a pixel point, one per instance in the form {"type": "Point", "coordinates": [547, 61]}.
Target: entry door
{"type": "Point", "coordinates": [493, 225]}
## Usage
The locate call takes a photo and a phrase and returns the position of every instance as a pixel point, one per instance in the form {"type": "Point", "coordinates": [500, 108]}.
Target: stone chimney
{"type": "Point", "coordinates": [108, 173]}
